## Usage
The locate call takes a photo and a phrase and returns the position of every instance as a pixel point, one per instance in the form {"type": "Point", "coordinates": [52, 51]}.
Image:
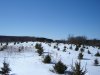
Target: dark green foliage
{"type": "Point", "coordinates": [89, 52]}
{"type": "Point", "coordinates": [47, 59]}
{"type": "Point", "coordinates": [39, 49]}
{"type": "Point", "coordinates": [79, 45]}
{"type": "Point", "coordinates": [1, 44]}
{"type": "Point", "coordinates": [70, 47]}
{"type": "Point", "coordinates": [37, 46]}
{"type": "Point", "coordinates": [5, 69]}
{"type": "Point", "coordinates": [58, 49]}
{"type": "Point", "coordinates": [80, 56]}
{"type": "Point", "coordinates": [19, 50]}
{"type": "Point", "coordinates": [49, 44]}
{"type": "Point", "coordinates": [86, 47]}
{"type": "Point", "coordinates": [14, 43]}
{"type": "Point", "coordinates": [26, 41]}
{"type": "Point", "coordinates": [3, 48]}
{"type": "Point", "coordinates": [77, 70]}
{"type": "Point", "coordinates": [18, 42]}
{"type": "Point", "coordinates": [65, 47]}
{"type": "Point", "coordinates": [57, 44]}
{"type": "Point", "coordinates": [96, 62]}
{"type": "Point", "coordinates": [97, 54]}
{"type": "Point", "coordinates": [82, 49]}
{"type": "Point", "coordinates": [7, 43]}
{"type": "Point", "coordinates": [64, 50]}
{"type": "Point", "coordinates": [77, 48]}
{"type": "Point", "coordinates": [60, 68]}
{"type": "Point", "coordinates": [55, 47]}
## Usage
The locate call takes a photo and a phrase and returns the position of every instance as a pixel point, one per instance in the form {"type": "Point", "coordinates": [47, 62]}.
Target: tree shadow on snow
{"type": "Point", "coordinates": [97, 65]}
{"type": "Point", "coordinates": [46, 52]}
{"type": "Point", "coordinates": [52, 63]}
{"type": "Point", "coordinates": [68, 73]}
{"type": "Point", "coordinates": [86, 59]}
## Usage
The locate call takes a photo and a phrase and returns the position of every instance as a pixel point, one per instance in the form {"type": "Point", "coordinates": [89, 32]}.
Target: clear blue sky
{"type": "Point", "coordinates": [50, 18]}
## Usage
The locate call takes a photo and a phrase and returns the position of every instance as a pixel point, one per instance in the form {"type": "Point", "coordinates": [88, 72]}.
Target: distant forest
{"type": "Point", "coordinates": [79, 40]}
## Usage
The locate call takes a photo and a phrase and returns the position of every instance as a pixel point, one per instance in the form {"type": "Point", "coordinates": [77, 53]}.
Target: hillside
{"type": "Point", "coordinates": [23, 58]}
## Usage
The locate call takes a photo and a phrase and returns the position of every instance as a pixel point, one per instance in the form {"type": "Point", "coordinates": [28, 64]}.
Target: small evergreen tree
{"type": "Point", "coordinates": [47, 59]}
{"type": "Point", "coordinates": [97, 54]}
{"type": "Point", "coordinates": [65, 47]}
{"type": "Point", "coordinates": [60, 68]}
{"type": "Point", "coordinates": [89, 52]}
{"type": "Point", "coordinates": [82, 49]}
{"type": "Point", "coordinates": [5, 69]}
{"type": "Point", "coordinates": [77, 70]}
{"type": "Point", "coordinates": [64, 50]}
{"type": "Point", "coordinates": [58, 49]}
{"type": "Point", "coordinates": [96, 62]}
{"type": "Point", "coordinates": [49, 44]}
{"type": "Point", "coordinates": [7, 43]}
{"type": "Point", "coordinates": [19, 50]}
{"type": "Point", "coordinates": [77, 48]}
{"type": "Point", "coordinates": [1, 49]}
{"type": "Point", "coordinates": [39, 49]}
{"type": "Point", "coordinates": [18, 42]}
{"type": "Point", "coordinates": [86, 47]}
{"type": "Point", "coordinates": [14, 43]}
{"type": "Point", "coordinates": [37, 46]}
{"type": "Point", "coordinates": [70, 47]}
{"type": "Point", "coordinates": [98, 47]}
{"type": "Point", "coordinates": [55, 47]}
{"type": "Point", "coordinates": [1, 44]}
{"type": "Point", "coordinates": [80, 56]}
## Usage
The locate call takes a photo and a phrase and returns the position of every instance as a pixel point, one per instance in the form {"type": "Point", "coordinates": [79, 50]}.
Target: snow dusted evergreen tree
{"type": "Point", "coordinates": [80, 56]}
{"type": "Point", "coordinates": [47, 59]}
{"type": "Point", "coordinates": [60, 68]}
{"type": "Point", "coordinates": [5, 70]}
{"type": "Point", "coordinates": [97, 54]}
{"type": "Point", "coordinates": [77, 70]}
{"type": "Point", "coordinates": [89, 52]}
{"type": "Point", "coordinates": [39, 49]}
{"type": "Point", "coordinates": [96, 62]}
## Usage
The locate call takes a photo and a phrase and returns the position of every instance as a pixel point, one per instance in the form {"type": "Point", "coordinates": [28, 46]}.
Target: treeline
{"type": "Point", "coordinates": [83, 40]}
{"type": "Point", "coordinates": [23, 39]}
{"type": "Point", "coordinates": [79, 40]}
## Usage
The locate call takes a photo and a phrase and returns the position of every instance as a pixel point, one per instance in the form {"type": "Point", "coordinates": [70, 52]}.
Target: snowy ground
{"type": "Point", "coordinates": [28, 62]}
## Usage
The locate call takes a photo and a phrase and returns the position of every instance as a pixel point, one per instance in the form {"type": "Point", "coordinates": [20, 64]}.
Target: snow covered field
{"type": "Point", "coordinates": [28, 62]}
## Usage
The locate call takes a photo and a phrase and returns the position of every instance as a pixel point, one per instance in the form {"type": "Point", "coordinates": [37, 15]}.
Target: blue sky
{"type": "Point", "coordinates": [50, 18]}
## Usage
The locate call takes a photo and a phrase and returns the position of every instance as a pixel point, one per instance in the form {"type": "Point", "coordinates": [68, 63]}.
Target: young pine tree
{"type": "Point", "coordinates": [80, 56]}
{"type": "Point", "coordinates": [71, 47]}
{"type": "Point", "coordinates": [39, 49]}
{"type": "Point", "coordinates": [5, 70]}
{"type": "Point", "coordinates": [47, 59]}
{"type": "Point", "coordinates": [77, 48]}
{"type": "Point", "coordinates": [77, 70]}
{"type": "Point", "coordinates": [96, 62]}
{"type": "Point", "coordinates": [89, 52]}
{"type": "Point", "coordinates": [82, 50]}
{"type": "Point", "coordinates": [97, 54]}
{"type": "Point", "coordinates": [60, 68]}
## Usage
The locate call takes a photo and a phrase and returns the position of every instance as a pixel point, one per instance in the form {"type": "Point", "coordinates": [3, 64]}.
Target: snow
{"type": "Point", "coordinates": [28, 62]}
